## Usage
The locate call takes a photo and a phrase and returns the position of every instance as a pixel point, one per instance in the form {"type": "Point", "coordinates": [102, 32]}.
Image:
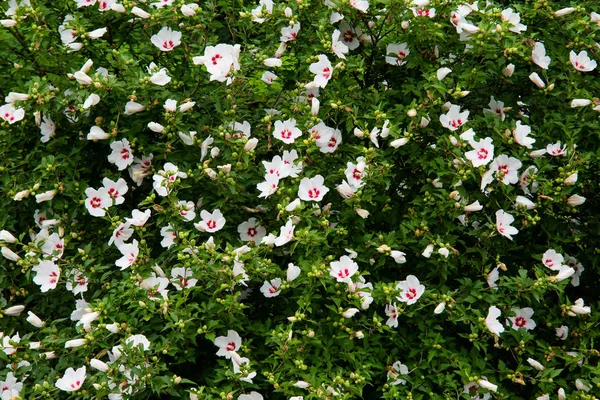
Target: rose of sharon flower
{"type": "Point", "coordinates": [121, 154]}
{"type": "Point", "coordinates": [552, 259]}
{"type": "Point", "coordinates": [503, 221]}
{"type": "Point", "coordinates": [47, 275]}
{"type": "Point", "coordinates": [228, 344]}
{"type": "Point", "coordinates": [166, 39]}
{"type": "Point", "coordinates": [97, 201]}
{"type": "Point", "coordinates": [251, 231]}
{"type": "Point", "coordinates": [71, 380]}
{"type": "Point", "coordinates": [312, 189]}
{"type": "Point", "coordinates": [411, 290]}
{"type": "Point", "coordinates": [399, 51]}
{"type": "Point", "coordinates": [522, 318]}
{"type": "Point", "coordinates": [343, 270]}
{"type": "Point", "coordinates": [271, 288]}
{"type": "Point", "coordinates": [539, 56]}
{"type": "Point", "coordinates": [211, 222]}
{"type": "Point", "coordinates": [219, 61]}
{"type": "Point", "coordinates": [482, 153]}
{"type": "Point", "coordinates": [582, 61]}
{"type": "Point", "coordinates": [130, 253]}
{"type": "Point", "coordinates": [286, 131]}
{"type": "Point", "coordinates": [392, 313]}
{"type": "Point", "coordinates": [454, 119]}
{"type": "Point", "coordinates": [491, 321]}
{"type": "Point", "coordinates": [322, 70]}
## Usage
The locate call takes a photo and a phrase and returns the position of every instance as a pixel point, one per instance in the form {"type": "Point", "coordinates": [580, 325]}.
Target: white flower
{"type": "Point", "coordinates": [322, 70]}
{"type": "Point", "coordinates": [97, 201]}
{"type": "Point", "coordinates": [130, 253]}
{"type": "Point", "coordinates": [72, 380]}
{"type": "Point", "coordinates": [391, 311]}
{"type": "Point", "coordinates": [47, 129]}
{"type": "Point", "coordinates": [338, 47]}
{"type": "Point", "coordinates": [11, 114]}
{"type": "Point", "coordinates": [539, 56]}
{"type": "Point", "coordinates": [496, 108]}
{"type": "Point", "coordinates": [182, 278]}
{"type": "Point", "coordinates": [482, 153]}
{"type": "Point", "coordinates": [312, 189]}
{"type": "Point", "coordinates": [491, 321]}
{"type": "Point", "coordinates": [251, 231]}
{"type": "Point", "coordinates": [509, 70]}
{"type": "Point", "coordinates": [268, 77]}
{"type": "Point", "coordinates": [400, 52]}
{"type": "Point", "coordinates": [166, 39]}
{"type": "Point", "coordinates": [211, 222]}
{"type": "Point", "coordinates": [116, 190]}
{"type": "Point", "coordinates": [269, 186]}
{"type": "Point", "coordinates": [99, 365]}
{"type": "Point", "coordinates": [563, 332]}
{"type": "Point", "coordinates": [228, 344]}
{"type": "Point", "coordinates": [343, 270]}
{"type": "Point", "coordinates": [45, 196]}
{"type": "Point", "coordinates": [397, 369]}
{"type": "Point", "coordinates": [411, 289]}
{"type": "Point", "coordinates": [521, 135]}
{"type": "Point", "coordinates": [443, 72]}
{"type": "Point", "coordinates": [503, 224]}
{"type": "Point", "coordinates": [522, 318]}
{"type": "Point", "coordinates": [440, 308]}
{"type": "Point", "coordinates": [220, 61]}
{"type": "Point", "coordinates": [398, 256]}
{"type": "Point", "coordinates": [289, 33]}
{"type": "Point", "coordinates": [360, 5]}
{"type": "Point", "coordinates": [552, 259]}
{"type": "Point", "coordinates": [555, 149]}
{"type": "Point", "coordinates": [579, 308]}
{"type": "Point", "coordinates": [74, 343]}
{"type": "Point", "coordinates": [293, 271]}
{"type": "Point", "coordinates": [271, 288]}
{"type": "Point", "coordinates": [121, 154]}
{"type": "Point", "coordinates": [454, 118]}
{"type": "Point", "coordinates": [513, 19]}
{"type": "Point", "coordinates": [286, 131]}
{"type": "Point", "coordinates": [168, 236]}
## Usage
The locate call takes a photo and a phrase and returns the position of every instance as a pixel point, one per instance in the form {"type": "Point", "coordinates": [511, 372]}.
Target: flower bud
{"type": "Point", "coordinates": [580, 103]}
{"type": "Point", "coordinates": [487, 385]}
{"type": "Point", "coordinates": [399, 142]}
{"type": "Point", "coordinates": [349, 313]}
{"type": "Point", "coordinates": [74, 343]}
{"type": "Point", "coordinates": [428, 250]}
{"type": "Point", "coordinates": [21, 195]}
{"type": "Point", "coordinates": [575, 200]}
{"type": "Point", "coordinates": [508, 71]}
{"type": "Point", "coordinates": [535, 364]}
{"type": "Point", "coordinates": [7, 237]}
{"type": "Point", "coordinates": [99, 365]}
{"type": "Point", "coordinates": [571, 179]}
{"type": "Point", "coordinates": [14, 310]}
{"type": "Point", "coordinates": [440, 308]}
{"type": "Point", "coordinates": [524, 202]}
{"type": "Point", "coordinates": [34, 320]}
{"type": "Point", "coordinates": [535, 78]}
{"type": "Point", "coordinates": [9, 254]}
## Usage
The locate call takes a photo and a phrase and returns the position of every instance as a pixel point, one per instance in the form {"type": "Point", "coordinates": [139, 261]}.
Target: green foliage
{"type": "Point", "coordinates": [409, 213]}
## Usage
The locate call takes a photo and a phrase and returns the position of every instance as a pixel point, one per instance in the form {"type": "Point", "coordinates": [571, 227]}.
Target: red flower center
{"type": "Point", "coordinates": [286, 134]}
{"type": "Point", "coordinates": [211, 224]}
{"type": "Point", "coordinates": [314, 193]}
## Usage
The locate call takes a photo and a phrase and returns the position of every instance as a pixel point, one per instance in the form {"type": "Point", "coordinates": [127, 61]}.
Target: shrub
{"type": "Point", "coordinates": [299, 200]}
